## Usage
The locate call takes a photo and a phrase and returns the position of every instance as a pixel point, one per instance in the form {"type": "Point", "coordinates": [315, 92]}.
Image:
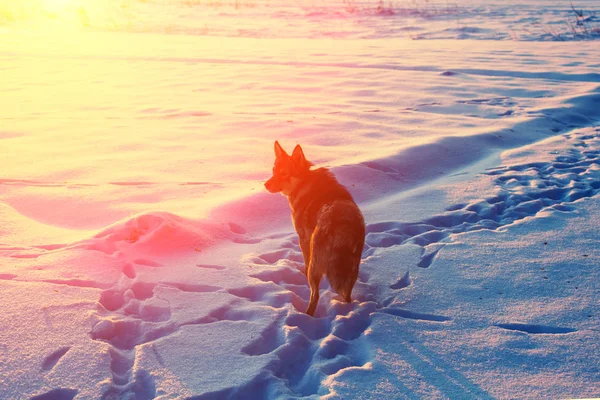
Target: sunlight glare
{"type": "Point", "coordinates": [55, 5]}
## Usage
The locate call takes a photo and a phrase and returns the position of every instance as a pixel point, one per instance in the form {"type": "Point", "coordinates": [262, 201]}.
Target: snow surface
{"type": "Point", "coordinates": [141, 257]}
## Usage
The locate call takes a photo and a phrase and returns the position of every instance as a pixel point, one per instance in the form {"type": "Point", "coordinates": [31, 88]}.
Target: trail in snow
{"type": "Point", "coordinates": [303, 352]}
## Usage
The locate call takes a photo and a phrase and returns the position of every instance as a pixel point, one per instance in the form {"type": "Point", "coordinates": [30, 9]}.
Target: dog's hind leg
{"type": "Point", "coordinates": [348, 297]}
{"type": "Point", "coordinates": [346, 291]}
{"type": "Point", "coordinates": [316, 266]}
{"type": "Point", "coordinates": [305, 247]}
{"type": "Point", "coordinates": [314, 280]}
{"type": "Point", "coordinates": [350, 282]}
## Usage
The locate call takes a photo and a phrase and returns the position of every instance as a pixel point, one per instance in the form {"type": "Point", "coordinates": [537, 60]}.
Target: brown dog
{"type": "Point", "coordinates": [330, 226]}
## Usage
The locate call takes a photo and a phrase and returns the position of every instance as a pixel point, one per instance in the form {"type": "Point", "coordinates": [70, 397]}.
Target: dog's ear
{"type": "Point", "coordinates": [279, 151]}
{"type": "Point", "coordinates": [298, 157]}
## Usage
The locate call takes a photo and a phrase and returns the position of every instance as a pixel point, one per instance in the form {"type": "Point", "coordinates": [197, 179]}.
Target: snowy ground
{"type": "Point", "coordinates": [141, 257]}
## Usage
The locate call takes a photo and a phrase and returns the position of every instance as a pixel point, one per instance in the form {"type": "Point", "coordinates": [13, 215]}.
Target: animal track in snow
{"type": "Point", "coordinates": [308, 349]}
{"type": "Point", "coordinates": [414, 315]}
{"type": "Point", "coordinates": [147, 263]}
{"type": "Point", "coordinates": [57, 394]}
{"type": "Point", "coordinates": [283, 254]}
{"type": "Point", "coordinates": [53, 359]}
{"type": "Point", "coordinates": [536, 329]}
{"type": "Point", "coordinates": [402, 282]}
{"type": "Point", "coordinates": [207, 266]}
{"type": "Point", "coordinates": [77, 283]}
{"type": "Point", "coordinates": [269, 340]}
{"type": "Point", "coordinates": [129, 271]}
{"type": "Point", "coordinates": [25, 255]}
{"type": "Point", "coordinates": [286, 275]}
{"type": "Point", "coordinates": [193, 287]}
{"type": "Point", "coordinates": [127, 383]}
{"type": "Point", "coordinates": [428, 256]}
{"type": "Point", "coordinates": [525, 190]}
{"type": "Point", "coordinates": [129, 315]}
{"type": "Point", "coordinates": [494, 101]}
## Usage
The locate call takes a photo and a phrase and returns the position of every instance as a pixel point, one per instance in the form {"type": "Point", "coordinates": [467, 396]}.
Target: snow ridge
{"type": "Point", "coordinates": [305, 353]}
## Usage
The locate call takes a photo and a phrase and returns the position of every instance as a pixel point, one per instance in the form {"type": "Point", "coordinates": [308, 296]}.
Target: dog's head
{"type": "Point", "coordinates": [288, 171]}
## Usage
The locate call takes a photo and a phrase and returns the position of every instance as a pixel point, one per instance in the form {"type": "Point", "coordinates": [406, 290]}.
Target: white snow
{"type": "Point", "coordinates": [142, 258]}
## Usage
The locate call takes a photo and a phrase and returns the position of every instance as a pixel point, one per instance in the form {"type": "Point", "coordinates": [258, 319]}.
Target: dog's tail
{"type": "Point", "coordinates": [343, 273]}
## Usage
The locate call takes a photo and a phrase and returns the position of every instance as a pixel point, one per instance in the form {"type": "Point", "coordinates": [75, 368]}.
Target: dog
{"type": "Point", "coordinates": [330, 226]}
